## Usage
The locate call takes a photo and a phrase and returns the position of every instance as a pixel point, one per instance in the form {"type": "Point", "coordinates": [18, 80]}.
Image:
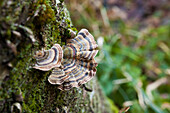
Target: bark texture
{"type": "Point", "coordinates": [25, 27]}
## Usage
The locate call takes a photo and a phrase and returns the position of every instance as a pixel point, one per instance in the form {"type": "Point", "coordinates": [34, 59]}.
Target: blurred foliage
{"type": "Point", "coordinates": [134, 57]}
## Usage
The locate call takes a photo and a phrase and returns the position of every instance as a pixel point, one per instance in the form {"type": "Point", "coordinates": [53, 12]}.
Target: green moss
{"type": "Point", "coordinates": [33, 84]}
{"type": "Point", "coordinates": [45, 13]}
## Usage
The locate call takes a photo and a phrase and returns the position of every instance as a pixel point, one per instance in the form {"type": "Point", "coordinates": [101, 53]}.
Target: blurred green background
{"type": "Point", "coordinates": [134, 57]}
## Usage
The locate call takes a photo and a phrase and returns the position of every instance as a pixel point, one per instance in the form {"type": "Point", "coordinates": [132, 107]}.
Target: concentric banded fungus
{"type": "Point", "coordinates": [72, 67]}
{"type": "Point", "coordinates": [49, 59]}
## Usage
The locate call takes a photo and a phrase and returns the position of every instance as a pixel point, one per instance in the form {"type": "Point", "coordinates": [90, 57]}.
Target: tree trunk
{"type": "Point", "coordinates": [25, 27]}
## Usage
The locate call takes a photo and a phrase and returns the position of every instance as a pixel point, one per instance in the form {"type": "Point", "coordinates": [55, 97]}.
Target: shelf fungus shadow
{"type": "Point", "coordinates": [73, 64]}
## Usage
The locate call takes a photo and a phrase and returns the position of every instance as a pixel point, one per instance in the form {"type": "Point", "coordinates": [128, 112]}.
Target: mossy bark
{"type": "Point", "coordinates": [25, 27]}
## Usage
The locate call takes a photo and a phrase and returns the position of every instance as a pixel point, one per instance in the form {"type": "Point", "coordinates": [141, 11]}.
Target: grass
{"type": "Point", "coordinates": [134, 58]}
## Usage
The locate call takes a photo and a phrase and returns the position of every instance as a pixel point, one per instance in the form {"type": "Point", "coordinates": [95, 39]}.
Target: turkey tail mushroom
{"type": "Point", "coordinates": [74, 65]}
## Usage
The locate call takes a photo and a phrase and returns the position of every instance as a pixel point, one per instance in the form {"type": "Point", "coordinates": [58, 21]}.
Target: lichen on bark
{"type": "Point", "coordinates": [48, 23]}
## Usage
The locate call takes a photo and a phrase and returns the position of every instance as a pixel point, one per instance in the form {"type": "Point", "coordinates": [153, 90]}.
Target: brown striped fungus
{"type": "Point", "coordinates": [73, 64]}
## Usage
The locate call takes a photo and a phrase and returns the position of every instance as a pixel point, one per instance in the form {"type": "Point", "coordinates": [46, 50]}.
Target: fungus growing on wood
{"type": "Point", "coordinates": [73, 64]}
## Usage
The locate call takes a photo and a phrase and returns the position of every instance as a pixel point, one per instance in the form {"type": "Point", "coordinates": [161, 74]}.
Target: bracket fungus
{"type": "Point", "coordinates": [73, 64]}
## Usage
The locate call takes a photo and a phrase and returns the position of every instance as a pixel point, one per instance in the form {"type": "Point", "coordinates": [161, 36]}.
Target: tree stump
{"type": "Point", "coordinates": [25, 27]}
